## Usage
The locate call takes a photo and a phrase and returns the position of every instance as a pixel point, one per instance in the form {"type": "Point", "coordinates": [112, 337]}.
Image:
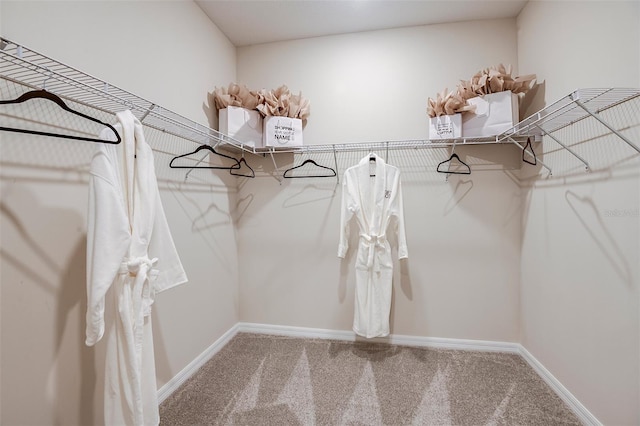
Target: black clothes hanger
{"type": "Point", "coordinates": [535, 159]}
{"type": "Point", "coordinates": [251, 171]}
{"type": "Point", "coordinates": [454, 155]}
{"type": "Point", "coordinates": [208, 148]}
{"type": "Point", "coordinates": [310, 161]}
{"type": "Point", "coordinates": [43, 94]}
{"type": "Point", "coordinates": [372, 158]}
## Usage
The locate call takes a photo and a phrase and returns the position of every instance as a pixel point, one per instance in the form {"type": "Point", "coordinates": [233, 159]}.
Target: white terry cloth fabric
{"type": "Point", "coordinates": [130, 251]}
{"type": "Point", "coordinates": [373, 201]}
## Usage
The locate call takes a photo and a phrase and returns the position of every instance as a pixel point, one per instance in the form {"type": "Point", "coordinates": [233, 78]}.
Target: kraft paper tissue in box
{"type": "Point", "coordinates": [445, 126]}
{"type": "Point", "coordinates": [494, 113]}
{"type": "Point", "coordinates": [242, 124]}
{"type": "Point", "coordinates": [282, 132]}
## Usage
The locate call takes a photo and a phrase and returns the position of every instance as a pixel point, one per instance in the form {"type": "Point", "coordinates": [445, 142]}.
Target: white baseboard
{"type": "Point", "coordinates": [576, 406]}
{"type": "Point", "coordinates": [395, 339]}
{"type": "Point", "coordinates": [173, 384]}
{"type": "Point", "coordinates": [418, 341]}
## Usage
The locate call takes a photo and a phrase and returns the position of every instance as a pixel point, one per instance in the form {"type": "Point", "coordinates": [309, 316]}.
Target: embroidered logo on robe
{"type": "Point", "coordinates": [387, 194]}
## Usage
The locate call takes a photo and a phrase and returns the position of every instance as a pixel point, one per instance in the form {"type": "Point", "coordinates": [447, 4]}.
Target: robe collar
{"type": "Point", "coordinates": [372, 202]}
{"type": "Point", "coordinates": [138, 177]}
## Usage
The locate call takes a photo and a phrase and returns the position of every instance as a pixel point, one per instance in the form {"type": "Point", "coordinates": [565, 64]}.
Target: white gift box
{"type": "Point", "coordinates": [242, 124]}
{"type": "Point", "coordinates": [445, 126]}
{"type": "Point", "coordinates": [282, 132]}
{"type": "Point", "coordinates": [494, 114]}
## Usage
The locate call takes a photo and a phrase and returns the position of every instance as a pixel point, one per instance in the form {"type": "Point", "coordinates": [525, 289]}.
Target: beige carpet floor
{"type": "Point", "coordinates": [269, 380]}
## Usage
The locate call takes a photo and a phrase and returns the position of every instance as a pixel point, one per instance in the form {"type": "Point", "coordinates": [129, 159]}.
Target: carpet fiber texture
{"type": "Point", "coordinates": [270, 380]}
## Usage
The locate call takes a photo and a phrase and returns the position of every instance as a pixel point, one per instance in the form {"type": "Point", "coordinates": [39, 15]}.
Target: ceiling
{"type": "Point", "coordinates": [247, 22]}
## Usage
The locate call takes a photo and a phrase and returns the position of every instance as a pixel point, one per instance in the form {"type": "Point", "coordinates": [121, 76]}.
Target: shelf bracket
{"type": "Point", "coordinates": [545, 133]}
{"type": "Point", "coordinates": [453, 150]}
{"type": "Point", "coordinates": [275, 166]}
{"type": "Point", "coordinates": [510, 139]}
{"type": "Point", "coordinates": [194, 166]}
{"type": "Point", "coordinates": [335, 159]}
{"type": "Point", "coordinates": [147, 112]}
{"type": "Point", "coordinates": [595, 115]}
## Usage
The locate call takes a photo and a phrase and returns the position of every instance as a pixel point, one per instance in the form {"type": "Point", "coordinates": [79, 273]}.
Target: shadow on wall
{"type": "Point", "coordinates": [241, 207]}
{"type": "Point", "coordinates": [53, 259]}
{"type": "Point", "coordinates": [310, 194]}
{"type": "Point", "coordinates": [401, 270]}
{"type": "Point", "coordinates": [482, 194]}
{"type": "Point", "coordinates": [401, 276]}
{"type": "Point", "coordinates": [533, 101]}
{"type": "Point", "coordinates": [588, 214]}
{"type": "Point", "coordinates": [207, 213]}
{"type": "Point", "coordinates": [461, 189]}
{"type": "Point", "coordinates": [346, 268]}
{"type": "Point", "coordinates": [316, 195]}
{"type": "Point", "coordinates": [212, 217]}
{"type": "Point", "coordinates": [71, 298]}
{"type": "Point", "coordinates": [211, 112]}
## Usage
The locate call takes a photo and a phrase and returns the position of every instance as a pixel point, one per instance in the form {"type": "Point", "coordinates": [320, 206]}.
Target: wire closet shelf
{"type": "Point", "coordinates": [27, 67]}
{"type": "Point", "coordinates": [571, 109]}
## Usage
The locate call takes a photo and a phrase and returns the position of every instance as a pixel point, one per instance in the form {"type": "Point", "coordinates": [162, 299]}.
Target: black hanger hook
{"type": "Point", "coordinates": [454, 155]}
{"type": "Point", "coordinates": [236, 166]}
{"type": "Point", "coordinates": [535, 158]}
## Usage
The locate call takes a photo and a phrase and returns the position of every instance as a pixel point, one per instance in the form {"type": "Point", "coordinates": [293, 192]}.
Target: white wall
{"type": "Point", "coordinates": [169, 53]}
{"type": "Point", "coordinates": [374, 85]}
{"type": "Point", "coordinates": [462, 276]}
{"type": "Point", "coordinates": [580, 269]}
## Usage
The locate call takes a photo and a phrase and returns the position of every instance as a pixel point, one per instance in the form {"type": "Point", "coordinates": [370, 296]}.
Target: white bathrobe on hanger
{"type": "Point", "coordinates": [373, 201]}
{"type": "Point", "coordinates": [131, 252]}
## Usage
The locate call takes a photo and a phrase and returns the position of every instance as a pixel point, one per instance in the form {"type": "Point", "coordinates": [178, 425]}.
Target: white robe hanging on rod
{"type": "Point", "coordinates": [130, 251]}
{"type": "Point", "coordinates": [373, 201]}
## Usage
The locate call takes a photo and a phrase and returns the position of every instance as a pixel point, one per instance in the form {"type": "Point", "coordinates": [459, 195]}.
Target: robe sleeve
{"type": "Point", "coordinates": [170, 270]}
{"type": "Point", "coordinates": [107, 241]}
{"type": "Point", "coordinates": [397, 210]}
{"type": "Point", "coordinates": [346, 213]}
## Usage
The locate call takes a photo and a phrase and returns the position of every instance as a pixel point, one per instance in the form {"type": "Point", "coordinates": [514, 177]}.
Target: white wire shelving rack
{"type": "Point", "coordinates": [29, 68]}
{"type": "Point", "coordinates": [26, 67]}
{"type": "Point", "coordinates": [571, 109]}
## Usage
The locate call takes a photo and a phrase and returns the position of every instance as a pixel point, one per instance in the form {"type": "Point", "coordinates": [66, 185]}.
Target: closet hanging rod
{"type": "Point", "coordinates": [383, 145]}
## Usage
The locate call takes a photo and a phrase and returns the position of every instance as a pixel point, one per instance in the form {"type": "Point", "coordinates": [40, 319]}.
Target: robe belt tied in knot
{"type": "Point", "coordinates": [138, 268]}
{"type": "Point", "coordinates": [375, 242]}
{"type": "Point", "coordinates": [134, 265]}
